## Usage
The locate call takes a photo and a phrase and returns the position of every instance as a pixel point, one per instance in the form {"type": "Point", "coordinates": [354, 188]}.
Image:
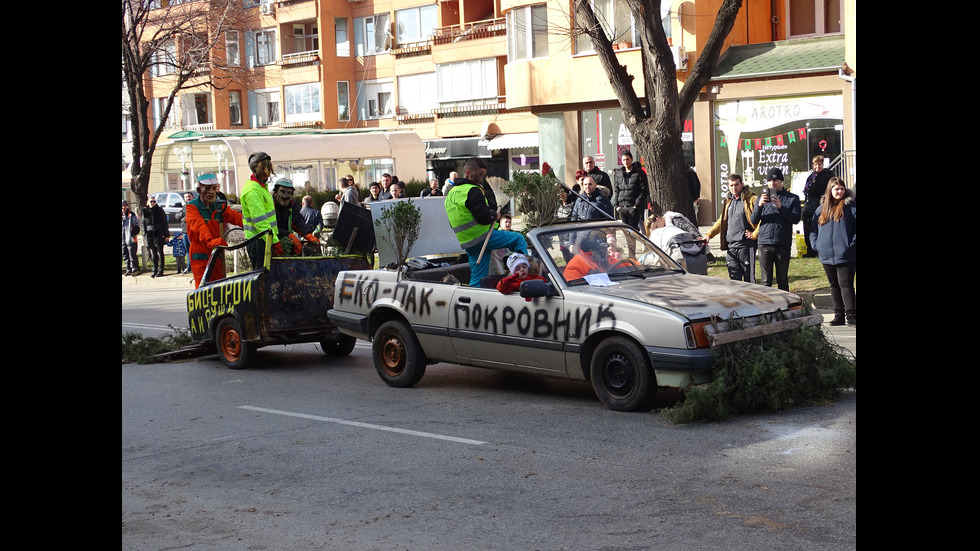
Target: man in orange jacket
{"type": "Point", "coordinates": [206, 219]}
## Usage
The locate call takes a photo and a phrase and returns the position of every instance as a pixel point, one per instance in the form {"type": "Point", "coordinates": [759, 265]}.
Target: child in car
{"type": "Point", "coordinates": [520, 270]}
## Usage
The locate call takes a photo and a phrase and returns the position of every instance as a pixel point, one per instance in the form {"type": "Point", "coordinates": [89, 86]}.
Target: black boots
{"type": "Point", "coordinates": [838, 318]}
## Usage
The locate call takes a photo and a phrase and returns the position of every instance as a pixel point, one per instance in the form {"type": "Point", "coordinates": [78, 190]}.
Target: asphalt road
{"type": "Point", "coordinates": [306, 451]}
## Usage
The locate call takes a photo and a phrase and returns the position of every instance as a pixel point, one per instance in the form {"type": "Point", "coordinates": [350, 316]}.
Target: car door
{"type": "Point", "coordinates": [490, 329]}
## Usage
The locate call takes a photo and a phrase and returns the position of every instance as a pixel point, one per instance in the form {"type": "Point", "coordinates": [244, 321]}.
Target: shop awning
{"type": "Point", "coordinates": [512, 141]}
{"type": "Point", "coordinates": [783, 58]}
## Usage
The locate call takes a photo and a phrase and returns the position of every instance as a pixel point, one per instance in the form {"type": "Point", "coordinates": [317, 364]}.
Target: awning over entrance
{"type": "Point", "coordinates": [513, 141]}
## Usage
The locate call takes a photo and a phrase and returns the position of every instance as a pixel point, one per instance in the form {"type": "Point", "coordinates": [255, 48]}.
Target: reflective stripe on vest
{"type": "Point", "coordinates": [468, 231]}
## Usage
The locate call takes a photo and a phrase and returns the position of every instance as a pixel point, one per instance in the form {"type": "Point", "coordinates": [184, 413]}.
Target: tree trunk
{"type": "Point", "coordinates": [657, 130]}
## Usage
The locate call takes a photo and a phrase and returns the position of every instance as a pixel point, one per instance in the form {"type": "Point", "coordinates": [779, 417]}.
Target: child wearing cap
{"type": "Point", "coordinates": [520, 270]}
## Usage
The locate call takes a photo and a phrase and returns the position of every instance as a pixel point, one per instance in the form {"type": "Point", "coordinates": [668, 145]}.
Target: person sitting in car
{"type": "Point", "coordinates": [585, 262]}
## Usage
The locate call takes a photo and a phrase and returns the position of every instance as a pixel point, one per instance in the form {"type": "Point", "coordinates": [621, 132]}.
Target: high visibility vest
{"type": "Point", "coordinates": [258, 211]}
{"type": "Point", "coordinates": [468, 231]}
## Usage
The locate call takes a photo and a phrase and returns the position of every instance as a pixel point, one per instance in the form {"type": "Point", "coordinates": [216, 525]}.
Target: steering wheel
{"type": "Point", "coordinates": [626, 261]}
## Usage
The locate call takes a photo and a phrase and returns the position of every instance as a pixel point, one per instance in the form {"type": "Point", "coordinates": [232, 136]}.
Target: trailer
{"type": "Point", "coordinates": [284, 302]}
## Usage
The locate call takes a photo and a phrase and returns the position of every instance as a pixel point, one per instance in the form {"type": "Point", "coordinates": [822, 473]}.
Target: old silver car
{"type": "Point", "coordinates": [637, 323]}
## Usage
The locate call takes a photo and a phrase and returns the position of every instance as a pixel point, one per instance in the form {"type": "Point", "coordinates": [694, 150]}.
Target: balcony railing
{"type": "Point", "coordinates": [300, 58]}
{"type": "Point", "coordinates": [470, 31]}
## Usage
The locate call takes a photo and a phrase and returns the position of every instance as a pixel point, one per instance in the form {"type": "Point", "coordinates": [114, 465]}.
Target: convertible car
{"type": "Point", "coordinates": [630, 323]}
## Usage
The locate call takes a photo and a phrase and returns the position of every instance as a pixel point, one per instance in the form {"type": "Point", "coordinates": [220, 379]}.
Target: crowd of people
{"type": "Point", "coordinates": [749, 227]}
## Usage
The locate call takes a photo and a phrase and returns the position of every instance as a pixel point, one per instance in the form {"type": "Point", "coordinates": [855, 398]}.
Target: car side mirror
{"type": "Point", "coordinates": [535, 288]}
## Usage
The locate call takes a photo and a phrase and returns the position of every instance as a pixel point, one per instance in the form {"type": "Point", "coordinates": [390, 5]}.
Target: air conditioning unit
{"type": "Point", "coordinates": [267, 8]}
{"type": "Point", "coordinates": [680, 57]}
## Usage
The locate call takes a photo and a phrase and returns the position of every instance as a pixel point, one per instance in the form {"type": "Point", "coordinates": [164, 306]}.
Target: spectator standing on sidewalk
{"type": "Point", "coordinates": [130, 229]}
{"type": "Point", "coordinates": [833, 232]}
{"type": "Point", "coordinates": [775, 214]}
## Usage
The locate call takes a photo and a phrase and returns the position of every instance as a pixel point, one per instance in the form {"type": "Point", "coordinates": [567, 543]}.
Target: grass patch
{"type": "Point", "coordinates": [768, 374]}
{"type": "Point", "coordinates": [805, 274]}
{"type": "Point", "coordinates": [140, 349]}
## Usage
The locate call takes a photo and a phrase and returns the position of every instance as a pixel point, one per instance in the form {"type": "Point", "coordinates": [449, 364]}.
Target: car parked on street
{"type": "Point", "coordinates": [640, 322]}
{"type": "Point", "coordinates": [172, 202]}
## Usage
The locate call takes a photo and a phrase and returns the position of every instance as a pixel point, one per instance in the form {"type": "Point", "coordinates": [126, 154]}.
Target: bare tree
{"type": "Point", "coordinates": [657, 129]}
{"type": "Point", "coordinates": [175, 41]}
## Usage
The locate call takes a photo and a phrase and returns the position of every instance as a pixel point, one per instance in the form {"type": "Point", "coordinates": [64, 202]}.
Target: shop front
{"type": "Point", "coordinates": [752, 136]}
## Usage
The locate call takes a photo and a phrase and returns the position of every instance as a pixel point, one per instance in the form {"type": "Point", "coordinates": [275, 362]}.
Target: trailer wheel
{"type": "Point", "coordinates": [235, 352]}
{"type": "Point", "coordinates": [398, 356]}
{"type": "Point", "coordinates": [343, 345]}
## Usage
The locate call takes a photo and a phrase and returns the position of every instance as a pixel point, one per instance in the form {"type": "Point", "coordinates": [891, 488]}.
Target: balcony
{"type": "Point", "coordinates": [422, 47]}
{"type": "Point", "coordinates": [470, 31]}
{"type": "Point", "coordinates": [300, 59]}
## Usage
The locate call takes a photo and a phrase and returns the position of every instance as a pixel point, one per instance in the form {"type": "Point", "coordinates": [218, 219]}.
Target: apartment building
{"type": "Point", "coordinates": [779, 95]}
{"type": "Point", "coordinates": [509, 81]}
{"type": "Point", "coordinates": [433, 68]}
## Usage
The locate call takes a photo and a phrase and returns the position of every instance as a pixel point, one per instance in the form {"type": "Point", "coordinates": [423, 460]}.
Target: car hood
{"type": "Point", "coordinates": [696, 296]}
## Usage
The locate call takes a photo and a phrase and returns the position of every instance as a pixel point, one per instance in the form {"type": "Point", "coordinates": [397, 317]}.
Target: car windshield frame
{"type": "Point", "coordinates": [627, 255]}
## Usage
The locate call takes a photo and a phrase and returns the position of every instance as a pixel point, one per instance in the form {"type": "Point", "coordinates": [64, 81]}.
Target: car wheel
{"type": "Point", "coordinates": [622, 376]}
{"type": "Point", "coordinates": [341, 346]}
{"type": "Point", "coordinates": [235, 352]}
{"type": "Point", "coordinates": [398, 356]}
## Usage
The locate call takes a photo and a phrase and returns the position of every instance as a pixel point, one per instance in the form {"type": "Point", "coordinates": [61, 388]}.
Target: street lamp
{"type": "Point", "coordinates": [219, 150]}
{"type": "Point", "coordinates": [185, 153]}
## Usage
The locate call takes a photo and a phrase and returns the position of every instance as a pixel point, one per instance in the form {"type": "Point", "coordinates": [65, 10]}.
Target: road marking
{"type": "Point", "coordinates": [365, 425]}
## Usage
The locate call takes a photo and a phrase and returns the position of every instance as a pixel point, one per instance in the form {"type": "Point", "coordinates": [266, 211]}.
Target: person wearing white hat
{"type": "Point", "coordinates": [206, 219]}
{"type": "Point", "coordinates": [520, 271]}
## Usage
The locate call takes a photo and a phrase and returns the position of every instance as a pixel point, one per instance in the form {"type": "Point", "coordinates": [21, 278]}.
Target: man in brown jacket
{"type": "Point", "coordinates": [738, 235]}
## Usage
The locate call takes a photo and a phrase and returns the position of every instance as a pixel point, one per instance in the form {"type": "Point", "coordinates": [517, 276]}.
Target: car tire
{"type": "Point", "coordinates": [234, 351]}
{"type": "Point", "coordinates": [398, 356]}
{"type": "Point", "coordinates": [622, 376]}
{"type": "Point", "coordinates": [343, 345]}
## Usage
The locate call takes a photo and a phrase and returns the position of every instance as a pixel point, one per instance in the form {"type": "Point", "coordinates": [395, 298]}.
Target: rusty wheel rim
{"type": "Point", "coordinates": [231, 344]}
{"type": "Point", "coordinates": [393, 356]}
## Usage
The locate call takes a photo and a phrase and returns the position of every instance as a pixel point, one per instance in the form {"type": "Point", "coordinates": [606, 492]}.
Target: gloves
{"type": "Point", "coordinates": [219, 242]}
{"type": "Point", "coordinates": [297, 246]}
{"type": "Point", "coordinates": [277, 249]}
{"type": "Point", "coordinates": [312, 238]}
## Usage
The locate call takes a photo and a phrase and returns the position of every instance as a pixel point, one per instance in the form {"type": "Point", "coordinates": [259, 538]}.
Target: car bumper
{"type": "Point", "coordinates": [355, 325]}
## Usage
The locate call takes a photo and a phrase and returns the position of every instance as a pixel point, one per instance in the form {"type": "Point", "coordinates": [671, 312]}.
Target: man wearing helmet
{"type": "Point", "coordinates": [258, 209]}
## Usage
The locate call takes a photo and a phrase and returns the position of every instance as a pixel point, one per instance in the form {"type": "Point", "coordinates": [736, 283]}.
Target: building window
{"type": "Point", "coordinates": [233, 54]}
{"type": "Point", "coordinates": [813, 17]}
{"type": "Point", "coordinates": [235, 107]}
{"type": "Point", "coordinates": [374, 99]}
{"type": "Point", "coordinates": [164, 60]}
{"type": "Point", "coordinates": [340, 34]}
{"type": "Point", "coordinates": [617, 21]}
{"type": "Point", "coordinates": [416, 93]}
{"type": "Point", "coordinates": [263, 46]}
{"type": "Point", "coordinates": [527, 32]}
{"type": "Point", "coordinates": [195, 109]}
{"type": "Point", "coordinates": [415, 24]}
{"type": "Point", "coordinates": [263, 108]}
{"type": "Point", "coordinates": [158, 105]}
{"type": "Point", "coordinates": [303, 102]}
{"type": "Point", "coordinates": [343, 101]}
{"type": "Point", "coordinates": [372, 34]}
{"type": "Point", "coordinates": [467, 80]}
{"type": "Point", "coordinates": [304, 42]}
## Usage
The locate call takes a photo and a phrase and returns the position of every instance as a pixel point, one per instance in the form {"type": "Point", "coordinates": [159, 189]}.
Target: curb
{"type": "Point", "coordinates": [168, 280]}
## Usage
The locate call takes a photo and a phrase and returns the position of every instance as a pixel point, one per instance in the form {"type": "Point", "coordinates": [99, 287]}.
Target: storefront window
{"type": "Point", "coordinates": [754, 136]}
{"type": "Point", "coordinates": [605, 137]}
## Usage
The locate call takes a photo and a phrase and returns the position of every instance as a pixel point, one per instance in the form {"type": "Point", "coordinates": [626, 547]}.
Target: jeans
{"type": "Point", "coordinates": [499, 239]}
{"type": "Point", "coordinates": [775, 257]}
